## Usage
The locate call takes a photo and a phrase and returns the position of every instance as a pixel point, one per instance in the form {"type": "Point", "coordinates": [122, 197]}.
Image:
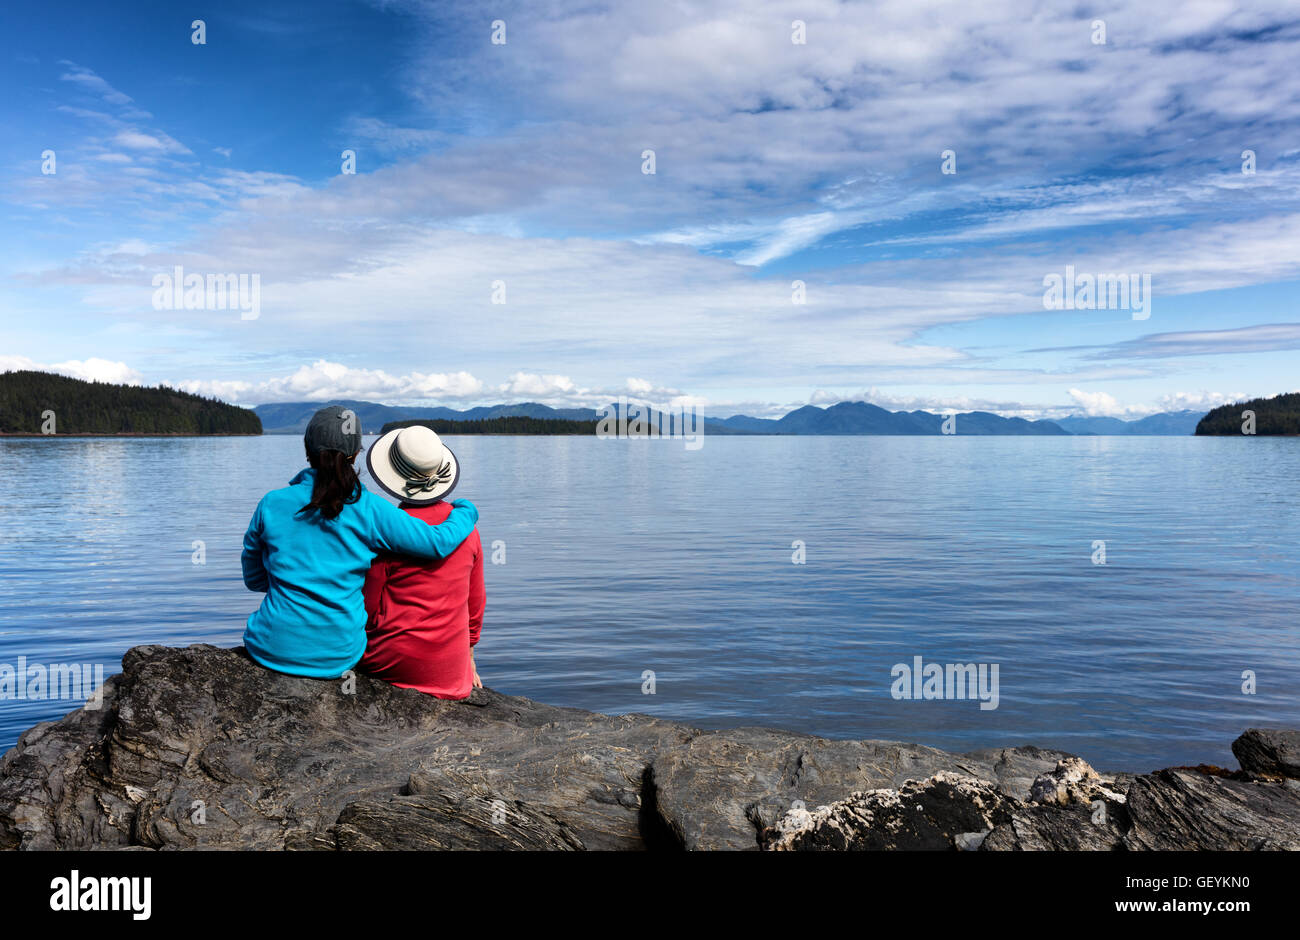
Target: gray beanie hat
{"type": "Point", "coordinates": [333, 428]}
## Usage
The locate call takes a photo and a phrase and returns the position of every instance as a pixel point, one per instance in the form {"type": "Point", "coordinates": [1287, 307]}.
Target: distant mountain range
{"type": "Point", "coordinates": [1167, 422]}
{"type": "Point", "coordinates": [292, 418]}
{"type": "Point", "coordinates": [856, 417]}
{"type": "Point", "coordinates": [859, 417]}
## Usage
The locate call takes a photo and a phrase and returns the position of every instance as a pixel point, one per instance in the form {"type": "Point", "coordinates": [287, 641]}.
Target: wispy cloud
{"type": "Point", "coordinates": [94, 84]}
{"type": "Point", "coordinates": [1267, 337]}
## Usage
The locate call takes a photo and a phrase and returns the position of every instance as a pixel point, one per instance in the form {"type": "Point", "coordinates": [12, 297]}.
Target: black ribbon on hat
{"type": "Point", "coordinates": [417, 482]}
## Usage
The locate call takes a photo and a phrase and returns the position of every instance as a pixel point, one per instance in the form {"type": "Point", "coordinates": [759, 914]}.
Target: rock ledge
{"type": "Point", "coordinates": [201, 748]}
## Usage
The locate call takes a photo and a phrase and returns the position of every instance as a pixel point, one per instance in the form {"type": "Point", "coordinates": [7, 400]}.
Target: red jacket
{"type": "Point", "coordinates": [423, 617]}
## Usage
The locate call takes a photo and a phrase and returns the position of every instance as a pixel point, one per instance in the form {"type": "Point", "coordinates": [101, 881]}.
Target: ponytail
{"type": "Point", "coordinates": [337, 483]}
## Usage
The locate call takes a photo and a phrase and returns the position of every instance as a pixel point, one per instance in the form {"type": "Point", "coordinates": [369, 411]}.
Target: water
{"type": "Point", "coordinates": [626, 556]}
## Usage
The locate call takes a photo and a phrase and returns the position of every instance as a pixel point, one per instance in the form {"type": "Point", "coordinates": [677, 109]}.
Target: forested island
{"type": "Point", "coordinates": [1277, 415]}
{"type": "Point", "coordinates": [42, 403]}
{"type": "Point", "coordinates": [514, 424]}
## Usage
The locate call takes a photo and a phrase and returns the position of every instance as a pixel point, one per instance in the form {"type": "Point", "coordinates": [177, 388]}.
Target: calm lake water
{"type": "Point", "coordinates": [627, 556]}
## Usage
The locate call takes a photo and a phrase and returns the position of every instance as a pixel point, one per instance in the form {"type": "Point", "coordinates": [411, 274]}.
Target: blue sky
{"type": "Point", "coordinates": [775, 162]}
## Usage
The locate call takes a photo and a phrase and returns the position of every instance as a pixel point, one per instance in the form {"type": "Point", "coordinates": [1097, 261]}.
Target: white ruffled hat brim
{"type": "Point", "coordinates": [380, 465]}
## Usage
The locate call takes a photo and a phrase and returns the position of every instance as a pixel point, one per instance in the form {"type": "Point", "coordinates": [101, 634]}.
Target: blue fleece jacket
{"type": "Point", "coordinates": [312, 621]}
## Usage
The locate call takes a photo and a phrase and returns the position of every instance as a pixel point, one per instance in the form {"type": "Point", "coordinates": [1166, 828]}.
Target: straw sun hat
{"type": "Point", "coordinates": [413, 464]}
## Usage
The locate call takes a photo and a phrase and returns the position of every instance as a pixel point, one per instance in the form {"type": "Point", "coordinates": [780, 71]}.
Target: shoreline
{"type": "Point", "coordinates": [357, 764]}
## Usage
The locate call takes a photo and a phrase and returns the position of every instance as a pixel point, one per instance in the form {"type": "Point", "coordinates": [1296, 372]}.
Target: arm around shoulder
{"type": "Point", "coordinates": [395, 531]}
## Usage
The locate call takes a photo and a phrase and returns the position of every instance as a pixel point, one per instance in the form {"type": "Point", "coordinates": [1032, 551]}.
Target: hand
{"type": "Point", "coordinates": [478, 683]}
{"type": "Point", "coordinates": [465, 504]}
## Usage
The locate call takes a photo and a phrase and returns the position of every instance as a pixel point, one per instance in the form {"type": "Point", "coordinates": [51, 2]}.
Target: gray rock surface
{"type": "Point", "coordinates": [1051, 827]}
{"type": "Point", "coordinates": [944, 812]}
{"type": "Point", "coordinates": [721, 789]}
{"type": "Point", "coordinates": [1074, 811]}
{"type": "Point", "coordinates": [1073, 781]}
{"type": "Point", "coordinates": [203, 748]}
{"type": "Point", "coordinates": [1271, 753]}
{"type": "Point", "coordinates": [1182, 809]}
{"type": "Point", "coordinates": [1175, 809]}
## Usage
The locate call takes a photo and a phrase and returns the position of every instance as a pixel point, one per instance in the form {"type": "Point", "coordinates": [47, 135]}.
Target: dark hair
{"type": "Point", "coordinates": [336, 483]}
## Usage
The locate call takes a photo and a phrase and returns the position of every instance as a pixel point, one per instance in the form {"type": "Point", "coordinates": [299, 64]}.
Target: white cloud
{"type": "Point", "coordinates": [390, 138]}
{"type": "Point", "coordinates": [139, 140]}
{"type": "Point", "coordinates": [92, 370]}
{"type": "Point", "coordinates": [1198, 401]}
{"type": "Point", "coordinates": [541, 386]}
{"type": "Point", "coordinates": [94, 84]}
{"type": "Point", "coordinates": [1099, 404]}
{"type": "Point", "coordinates": [325, 380]}
{"type": "Point", "coordinates": [1262, 337]}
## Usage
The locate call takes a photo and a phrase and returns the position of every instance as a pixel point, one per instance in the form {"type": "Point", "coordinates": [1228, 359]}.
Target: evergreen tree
{"type": "Point", "coordinates": [1277, 415]}
{"type": "Point", "coordinates": [104, 408]}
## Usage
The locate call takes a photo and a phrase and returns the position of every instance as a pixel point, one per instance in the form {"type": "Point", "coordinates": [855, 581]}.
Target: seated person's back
{"type": "Point", "coordinates": [423, 618]}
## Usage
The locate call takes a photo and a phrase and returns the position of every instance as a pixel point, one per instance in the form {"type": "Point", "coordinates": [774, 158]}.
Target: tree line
{"type": "Point", "coordinates": [1277, 415]}
{"type": "Point", "coordinates": [41, 402]}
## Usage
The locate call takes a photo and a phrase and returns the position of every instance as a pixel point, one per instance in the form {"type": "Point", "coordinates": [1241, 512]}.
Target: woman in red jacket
{"type": "Point", "coordinates": [423, 617]}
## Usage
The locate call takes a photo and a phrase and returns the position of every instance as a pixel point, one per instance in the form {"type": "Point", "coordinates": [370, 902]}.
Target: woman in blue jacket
{"type": "Point", "coordinates": [309, 546]}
